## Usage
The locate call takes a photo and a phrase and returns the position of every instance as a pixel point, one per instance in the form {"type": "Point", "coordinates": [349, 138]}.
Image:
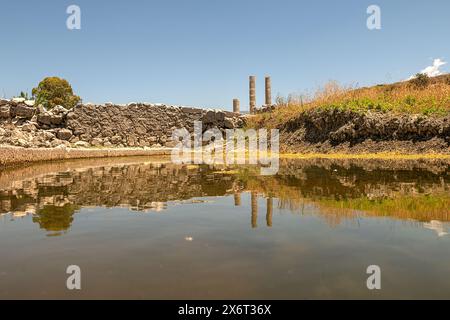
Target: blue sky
{"type": "Point", "coordinates": [201, 52]}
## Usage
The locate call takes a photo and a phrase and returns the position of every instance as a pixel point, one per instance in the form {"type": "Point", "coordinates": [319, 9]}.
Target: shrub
{"type": "Point", "coordinates": [54, 91]}
{"type": "Point", "coordinates": [421, 80]}
{"type": "Point", "coordinates": [24, 95]}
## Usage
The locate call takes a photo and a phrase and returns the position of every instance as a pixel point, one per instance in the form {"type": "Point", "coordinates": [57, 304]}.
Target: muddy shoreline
{"type": "Point", "coordinates": [12, 157]}
{"type": "Point", "coordinates": [15, 156]}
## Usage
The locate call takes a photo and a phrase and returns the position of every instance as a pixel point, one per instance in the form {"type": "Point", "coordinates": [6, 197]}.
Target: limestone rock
{"type": "Point", "coordinates": [23, 143]}
{"type": "Point", "coordinates": [5, 112]}
{"type": "Point", "coordinates": [49, 118]}
{"type": "Point", "coordinates": [82, 144]}
{"type": "Point", "coordinates": [64, 134]}
{"type": "Point", "coordinates": [40, 109]}
{"type": "Point", "coordinates": [56, 119]}
{"type": "Point", "coordinates": [29, 127]}
{"type": "Point", "coordinates": [48, 135]}
{"type": "Point", "coordinates": [18, 100]}
{"type": "Point", "coordinates": [44, 118]}
{"type": "Point", "coordinates": [116, 139]}
{"type": "Point", "coordinates": [56, 142]}
{"type": "Point", "coordinates": [228, 123]}
{"type": "Point", "coordinates": [23, 111]}
{"type": "Point", "coordinates": [4, 102]}
{"type": "Point", "coordinates": [97, 142]}
{"type": "Point", "coordinates": [59, 110]}
{"type": "Point", "coordinates": [171, 144]}
{"type": "Point", "coordinates": [209, 117]}
{"type": "Point", "coordinates": [219, 116]}
{"type": "Point", "coordinates": [29, 103]}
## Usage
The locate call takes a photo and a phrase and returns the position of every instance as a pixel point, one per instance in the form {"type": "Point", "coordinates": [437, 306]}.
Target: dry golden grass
{"type": "Point", "coordinates": [424, 96]}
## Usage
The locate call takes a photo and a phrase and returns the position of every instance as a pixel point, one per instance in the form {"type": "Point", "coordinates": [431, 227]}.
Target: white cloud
{"type": "Point", "coordinates": [433, 70]}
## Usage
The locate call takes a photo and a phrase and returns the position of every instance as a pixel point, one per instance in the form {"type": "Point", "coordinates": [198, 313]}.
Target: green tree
{"type": "Point", "coordinates": [53, 91]}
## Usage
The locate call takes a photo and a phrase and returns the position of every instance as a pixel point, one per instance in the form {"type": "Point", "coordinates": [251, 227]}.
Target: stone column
{"type": "Point", "coordinates": [269, 212]}
{"type": "Point", "coordinates": [268, 91]}
{"type": "Point", "coordinates": [252, 94]}
{"type": "Point", "coordinates": [236, 106]}
{"type": "Point", "coordinates": [254, 210]}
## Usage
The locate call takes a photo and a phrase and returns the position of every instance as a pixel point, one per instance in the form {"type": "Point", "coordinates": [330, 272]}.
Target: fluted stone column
{"type": "Point", "coordinates": [252, 94]}
{"type": "Point", "coordinates": [236, 106]}
{"type": "Point", "coordinates": [268, 91]}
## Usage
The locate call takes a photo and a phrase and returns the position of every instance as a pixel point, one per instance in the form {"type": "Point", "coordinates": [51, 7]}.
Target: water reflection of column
{"type": "Point", "coordinates": [254, 210]}
{"type": "Point", "coordinates": [269, 212]}
{"type": "Point", "coordinates": [237, 199]}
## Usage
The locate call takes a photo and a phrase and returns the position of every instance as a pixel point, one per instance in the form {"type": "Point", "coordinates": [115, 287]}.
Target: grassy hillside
{"type": "Point", "coordinates": [422, 95]}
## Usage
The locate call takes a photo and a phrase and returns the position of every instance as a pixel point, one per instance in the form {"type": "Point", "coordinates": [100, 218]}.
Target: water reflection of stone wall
{"type": "Point", "coordinates": [53, 198]}
{"type": "Point", "coordinates": [138, 187]}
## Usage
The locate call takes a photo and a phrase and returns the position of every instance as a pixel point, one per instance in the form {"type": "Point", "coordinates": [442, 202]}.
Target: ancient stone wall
{"type": "Point", "coordinates": [132, 125]}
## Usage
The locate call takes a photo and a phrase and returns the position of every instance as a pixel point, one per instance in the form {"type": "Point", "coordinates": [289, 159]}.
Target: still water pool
{"type": "Point", "coordinates": [148, 229]}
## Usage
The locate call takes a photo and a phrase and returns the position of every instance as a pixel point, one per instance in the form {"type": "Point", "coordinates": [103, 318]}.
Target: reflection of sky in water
{"type": "Point", "coordinates": [161, 231]}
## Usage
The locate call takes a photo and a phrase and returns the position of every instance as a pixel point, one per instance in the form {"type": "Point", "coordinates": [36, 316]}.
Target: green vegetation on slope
{"type": "Point", "coordinates": [421, 95]}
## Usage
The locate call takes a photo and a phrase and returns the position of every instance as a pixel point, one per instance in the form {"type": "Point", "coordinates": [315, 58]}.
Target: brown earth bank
{"type": "Point", "coordinates": [343, 131]}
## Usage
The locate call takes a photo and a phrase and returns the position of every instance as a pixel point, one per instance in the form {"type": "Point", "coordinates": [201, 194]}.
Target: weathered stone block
{"type": "Point", "coordinates": [44, 118]}
{"type": "Point", "coordinates": [4, 102]}
{"type": "Point", "coordinates": [18, 100]}
{"type": "Point", "coordinates": [56, 119]}
{"type": "Point", "coordinates": [82, 144]}
{"type": "Point", "coordinates": [23, 111]}
{"type": "Point", "coordinates": [5, 112]}
{"type": "Point", "coordinates": [64, 134]}
{"type": "Point", "coordinates": [29, 127]}
{"type": "Point", "coordinates": [97, 142]}
{"type": "Point", "coordinates": [228, 123]}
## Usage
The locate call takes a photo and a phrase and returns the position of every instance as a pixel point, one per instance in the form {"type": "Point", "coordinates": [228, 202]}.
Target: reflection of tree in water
{"type": "Point", "coordinates": [55, 218]}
